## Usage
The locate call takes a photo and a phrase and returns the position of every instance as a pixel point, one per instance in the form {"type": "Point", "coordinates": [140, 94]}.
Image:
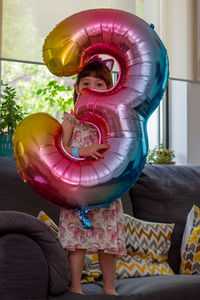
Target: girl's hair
{"type": "Point", "coordinates": [98, 70]}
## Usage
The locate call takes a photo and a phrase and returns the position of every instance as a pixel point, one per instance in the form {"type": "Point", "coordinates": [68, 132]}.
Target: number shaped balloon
{"type": "Point", "coordinates": [120, 114]}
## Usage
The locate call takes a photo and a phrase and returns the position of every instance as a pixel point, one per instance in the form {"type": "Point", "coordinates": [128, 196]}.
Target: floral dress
{"type": "Point", "coordinates": [107, 231]}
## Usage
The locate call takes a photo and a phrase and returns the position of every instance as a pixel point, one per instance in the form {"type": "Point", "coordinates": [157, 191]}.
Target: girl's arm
{"type": "Point", "coordinates": [67, 135]}
{"type": "Point", "coordinates": [88, 151]}
{"type": "Point", "coordinates": [93, 151]}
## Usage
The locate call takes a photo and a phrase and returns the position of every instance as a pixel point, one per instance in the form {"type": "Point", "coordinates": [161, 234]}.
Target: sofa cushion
{"type": "Point", "coordinates": [43, 217]}
{"type": "Point", "coordinates": [166, 193]}
{"type": "Point", "coordinates": [147, 247]}
{"type": "Point", "coordinates": [183, 287]}
{"type": "Point", "coordinates": [190, 248]}
{"type": "Point", "coordinates": [91, 268]}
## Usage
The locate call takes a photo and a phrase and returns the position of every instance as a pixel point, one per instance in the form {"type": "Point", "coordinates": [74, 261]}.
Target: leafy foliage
{"type": "Point", "coordinates": [160, 155]}
{"type": "Point", "coordinates": [28, 79]}
{"type": "Point", "coordinates": [54, 94]}
{"type": "Point", "coordinates": [11, 113]}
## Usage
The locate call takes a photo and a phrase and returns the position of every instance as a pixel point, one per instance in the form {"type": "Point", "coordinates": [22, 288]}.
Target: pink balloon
{"type": "Point", "coordinates": [120, 114]}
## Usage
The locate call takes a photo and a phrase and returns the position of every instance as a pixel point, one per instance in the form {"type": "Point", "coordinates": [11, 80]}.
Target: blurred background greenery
{"type": "Point", "coordinates": [37, 90]}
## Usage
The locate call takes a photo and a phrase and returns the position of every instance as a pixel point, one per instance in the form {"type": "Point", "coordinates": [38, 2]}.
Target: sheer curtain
{"type": "Point", "coordinates": [26, 23]}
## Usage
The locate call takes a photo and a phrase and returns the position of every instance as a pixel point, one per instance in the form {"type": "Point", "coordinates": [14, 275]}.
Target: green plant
{"type": "Point", "coordinates": [28, 79]}
{"type": "Point", "coordinates": [10, 112]}
{"type": "Point", "coordinates": [160, 155]}
{"type": "Point", "coordinates": [57, 94]}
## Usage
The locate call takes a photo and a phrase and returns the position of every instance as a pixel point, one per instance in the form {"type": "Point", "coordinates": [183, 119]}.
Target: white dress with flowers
{"type": "Point", "coordinates": [107, 231]}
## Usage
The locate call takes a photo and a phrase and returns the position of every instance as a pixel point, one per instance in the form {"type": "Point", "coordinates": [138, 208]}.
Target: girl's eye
{"type": "Point", "coordinates": [85, 83]}
{"type": "Point", "coordinates": [99, 84]}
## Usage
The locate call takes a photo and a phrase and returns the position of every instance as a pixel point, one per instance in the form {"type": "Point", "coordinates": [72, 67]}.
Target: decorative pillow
{"type": "Point", "coordinates": [91, 268]}
{"type": "Point", "coordinates": [190, 247]}
{"type": "Point", "coordinates": [48, 221]}
{"type": "Point", "coordinates": [147, 247]}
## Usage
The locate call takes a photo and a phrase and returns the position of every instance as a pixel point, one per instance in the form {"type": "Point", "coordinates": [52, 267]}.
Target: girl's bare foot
{"type": "Point", "coordinates": [110, 292]}
{"type": "Point", "coordinates": [76, 290]}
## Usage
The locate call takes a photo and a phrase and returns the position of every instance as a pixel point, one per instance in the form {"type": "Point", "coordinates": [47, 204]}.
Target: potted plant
{"type": "Point", "coordinates": [161, 155]}
{"type": "Point", "coordinates": [10, 115]}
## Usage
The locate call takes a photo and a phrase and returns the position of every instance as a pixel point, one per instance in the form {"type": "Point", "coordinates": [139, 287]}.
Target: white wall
{"type": "Point", "coordinates": [182, 28]}
{"type": "Point", "coordinates": [193, 116]}
{"type": "Point", "coordinates": [180, 37]}
{"type": "Point", "coordinates": [185, 121]}
{"type": "Point", "coordinates": [178, 120]}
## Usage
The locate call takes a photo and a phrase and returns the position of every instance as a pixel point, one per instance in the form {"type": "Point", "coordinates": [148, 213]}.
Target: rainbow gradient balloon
{"type": "Point", "coordinates": [120, 114]}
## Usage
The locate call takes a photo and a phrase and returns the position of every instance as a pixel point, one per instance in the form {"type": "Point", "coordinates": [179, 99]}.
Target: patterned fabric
{"type": "Point", "coordinates": [42, 216]}
{"type": "Point", "coordinates": [147, 247]}
{"type": "Point", "coordinates": [107, 232]}
{"type": "Point", "coordinates": [91, 268]}
{"type": "Point", "coordinates": [83, 134]}
{"type": "Point", "coordinates": [190, 248]}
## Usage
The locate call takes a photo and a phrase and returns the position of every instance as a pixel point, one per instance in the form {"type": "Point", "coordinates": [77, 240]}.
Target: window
{"type": "Point", "coordinates": [26, 23]}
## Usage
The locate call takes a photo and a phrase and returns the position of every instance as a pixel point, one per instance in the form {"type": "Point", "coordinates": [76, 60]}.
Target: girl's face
{"type": "Point", "coordinates": [92, 82]}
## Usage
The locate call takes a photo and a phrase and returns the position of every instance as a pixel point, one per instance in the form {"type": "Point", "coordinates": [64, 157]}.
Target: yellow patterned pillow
{"type": "Point", "coordinates": [190, 248]}
{"type": "Point", "coordinates": [91, 268]}
{"type": "Point", "coordinates": [147, 247]}
{"type": "Point", "coordinates": [42, 216]}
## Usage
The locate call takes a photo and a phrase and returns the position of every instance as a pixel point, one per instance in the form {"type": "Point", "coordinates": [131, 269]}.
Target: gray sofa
{"type": "Point", "coordinates": [33, 264]}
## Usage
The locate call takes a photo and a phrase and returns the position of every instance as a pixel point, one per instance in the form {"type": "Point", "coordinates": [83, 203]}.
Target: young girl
{"type": "Point", "coordinates": [106, 236]}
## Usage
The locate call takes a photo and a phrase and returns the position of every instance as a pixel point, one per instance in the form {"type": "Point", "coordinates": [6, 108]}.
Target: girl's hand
{"type": "Point", "coordinates": [93, 151]}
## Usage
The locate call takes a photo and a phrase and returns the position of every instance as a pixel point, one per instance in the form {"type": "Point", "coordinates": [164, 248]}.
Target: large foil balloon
{"type": "Point", "coordinates": [120, 114]}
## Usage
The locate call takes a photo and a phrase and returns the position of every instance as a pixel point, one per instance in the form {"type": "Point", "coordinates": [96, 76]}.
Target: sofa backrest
{"type": "Point", "coordinates": [166, 193]}
{"type": "Point", "coordinates": [15, 195]}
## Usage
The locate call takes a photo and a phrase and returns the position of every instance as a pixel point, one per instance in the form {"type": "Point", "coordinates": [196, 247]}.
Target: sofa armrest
{"type": "Point", "coordinates": [23, 268]}
{"type": "Point", "coordinates": [58, 267]}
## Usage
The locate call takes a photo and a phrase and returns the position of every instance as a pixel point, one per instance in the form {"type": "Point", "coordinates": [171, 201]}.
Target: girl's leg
{"type": "Point", "coordinates": [76, 260]}
{"type": "Point", "coordinates": [108, 268]}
